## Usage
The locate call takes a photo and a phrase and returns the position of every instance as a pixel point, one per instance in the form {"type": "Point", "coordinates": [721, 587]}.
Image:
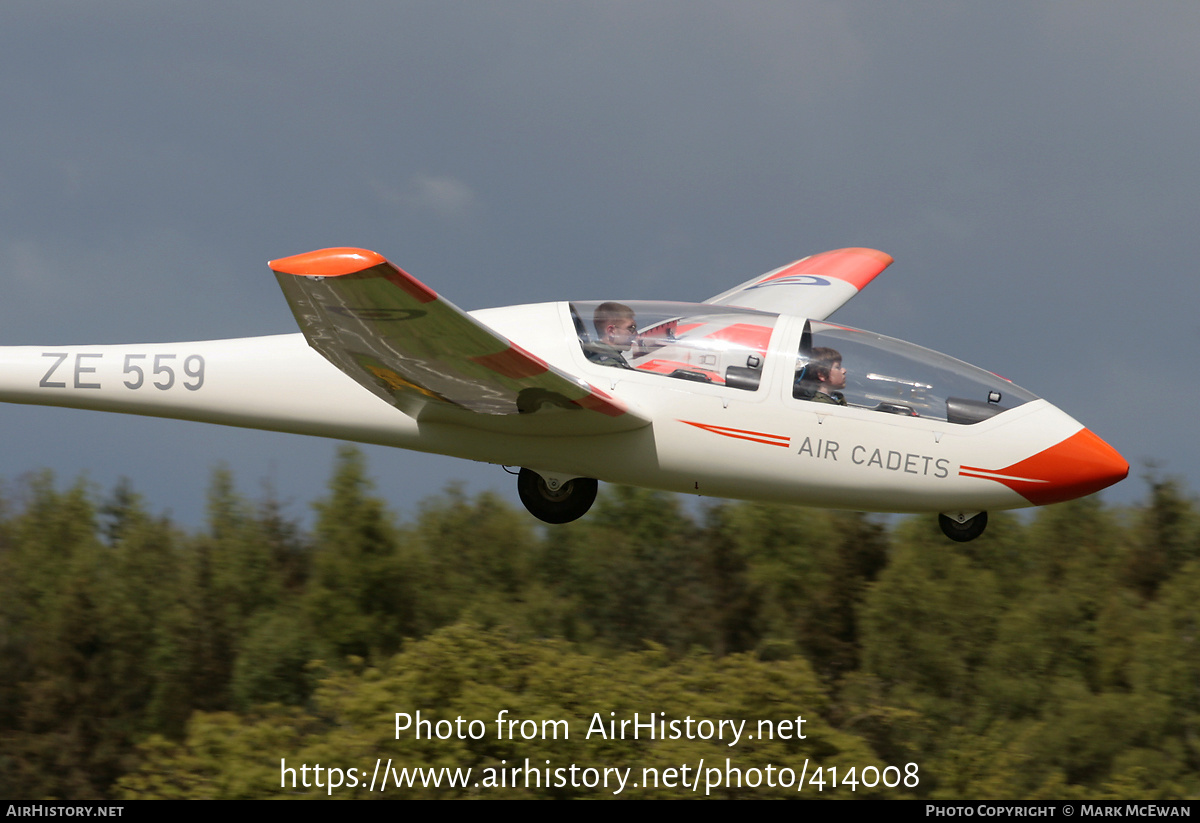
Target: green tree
{"type": "Point", "coordinates": [368, 578]}
{"type": "Point", "coordinates": [79, 627]}
{"type": "Point", "coordinates": [928, 622]}
{"type": "Point", "coordinates": [480, 560]}
{"type": "Point", "coordinates": [1168, 537]}
{"type": "Point", "coordinates": [633, 571]}
{"type": "Point", "coordinates": [560, 700]}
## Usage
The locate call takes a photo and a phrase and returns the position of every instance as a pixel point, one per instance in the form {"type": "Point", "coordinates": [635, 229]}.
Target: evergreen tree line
{"type": "Point", "coordinates": [1058, 656]}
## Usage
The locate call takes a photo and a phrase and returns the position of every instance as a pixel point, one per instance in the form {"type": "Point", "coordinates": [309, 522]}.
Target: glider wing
{"type": "Point", "coordinates": [814, 287]}
{"type": "Point", "coordinates": [395, 336]}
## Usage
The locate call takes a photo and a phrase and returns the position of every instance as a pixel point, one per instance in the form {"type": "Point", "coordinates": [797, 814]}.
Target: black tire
{"type": "Point", "coordinates": [963, 532]}
{"type": "Point", "coordinates": [570, 502]}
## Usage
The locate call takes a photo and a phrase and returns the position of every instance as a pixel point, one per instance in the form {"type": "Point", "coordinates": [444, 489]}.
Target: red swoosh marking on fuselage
{"type": "Point", "coordinates": [744, 434]}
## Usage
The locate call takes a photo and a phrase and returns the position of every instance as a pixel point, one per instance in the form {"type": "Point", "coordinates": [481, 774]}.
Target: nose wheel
{"type": "Point", "coordinates": [556, 502]}
{"type": "Point", "coordinates": [962, 527]}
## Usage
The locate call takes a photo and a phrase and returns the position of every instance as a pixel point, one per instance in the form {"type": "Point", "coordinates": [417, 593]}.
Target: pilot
{"type": "Point", "coordinates": [821, 379]}
{"type": "Point", "coordinates": [616, 332]}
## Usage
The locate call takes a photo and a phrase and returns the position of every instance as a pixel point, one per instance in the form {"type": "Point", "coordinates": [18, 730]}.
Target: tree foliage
{"type": "Point", "coordinates": [1055, 657]}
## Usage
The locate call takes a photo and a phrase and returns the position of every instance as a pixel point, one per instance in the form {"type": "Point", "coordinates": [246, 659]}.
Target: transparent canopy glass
{"type": "Point", "coordinates": [890, 375]}
{"type": "Point", "coordinates": [723, 345]}
{"type": "Point", "coordinates": [687, 341]}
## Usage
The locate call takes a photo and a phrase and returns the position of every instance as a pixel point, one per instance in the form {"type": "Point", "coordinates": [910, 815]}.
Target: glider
{"type": "Point", "coordinates": [752, 394]}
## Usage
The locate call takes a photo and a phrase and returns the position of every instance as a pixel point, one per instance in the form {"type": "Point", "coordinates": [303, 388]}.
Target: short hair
{"type": "Point", "coordinates": [609, 312]}
{"type": "Point", "coordinates": [820, 361]}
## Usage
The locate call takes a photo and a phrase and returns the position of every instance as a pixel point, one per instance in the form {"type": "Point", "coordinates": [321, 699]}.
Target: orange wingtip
{"type": "Point", "coordinates": [857, 266]}
{"type": "Point", "coordinates": [327, 262]}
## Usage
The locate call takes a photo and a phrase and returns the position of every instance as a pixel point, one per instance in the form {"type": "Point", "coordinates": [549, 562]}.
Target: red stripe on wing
{"type": "Point", "coordinates": [600, 402]}
{"type": "Point", "coordinates": [513, 362]}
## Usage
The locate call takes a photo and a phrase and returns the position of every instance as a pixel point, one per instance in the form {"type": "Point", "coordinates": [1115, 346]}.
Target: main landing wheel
{"type": "Point", "coordinates": [964, 531]}
{"type": "Point", "coordinates": [568, 502]}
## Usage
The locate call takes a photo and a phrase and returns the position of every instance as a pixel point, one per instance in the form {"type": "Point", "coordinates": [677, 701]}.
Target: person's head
{"type": "Point", "coordinates": [615, 325]}
{"type": "Point", "coordinates": [825, 368]}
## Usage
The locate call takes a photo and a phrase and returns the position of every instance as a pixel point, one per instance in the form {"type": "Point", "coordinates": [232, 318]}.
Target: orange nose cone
{"type": "Point", "coordinates": [1078, 466]}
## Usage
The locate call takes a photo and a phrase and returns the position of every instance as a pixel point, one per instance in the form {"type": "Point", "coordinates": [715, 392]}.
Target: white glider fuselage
{"type": "Point", "coordinates": [702, 438]}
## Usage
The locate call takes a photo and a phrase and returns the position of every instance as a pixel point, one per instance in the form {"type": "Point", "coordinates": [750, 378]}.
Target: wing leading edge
{"type": "Point", "coordinates": [396, 337]}
{"type": "Point", "coordinates": [814, 287]}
